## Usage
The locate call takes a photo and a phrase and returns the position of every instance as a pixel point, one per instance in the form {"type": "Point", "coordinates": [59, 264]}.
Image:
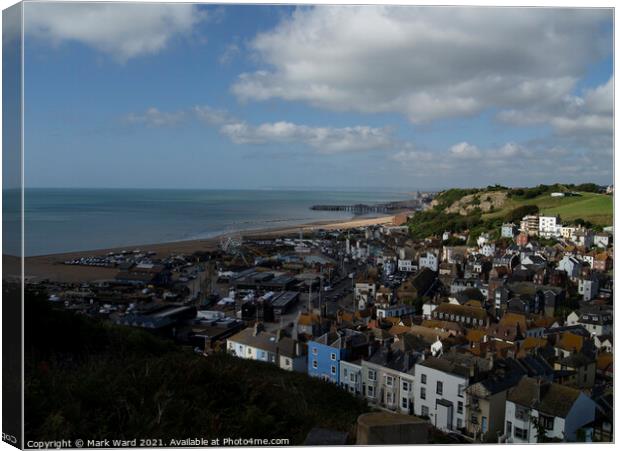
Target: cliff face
{"type": "Point", "coordinates": [485, 201]}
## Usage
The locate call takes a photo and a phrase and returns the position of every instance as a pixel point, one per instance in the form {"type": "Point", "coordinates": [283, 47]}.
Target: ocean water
{"type": "Point", "coordinates": [64, 220]}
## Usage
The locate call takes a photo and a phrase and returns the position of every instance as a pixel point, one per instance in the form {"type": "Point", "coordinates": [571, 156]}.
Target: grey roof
{"type": "Point", "coordinates": [262, 340]}
{"type": "Point", "coordinates": [463, 365]}
{"type": "Point", "coordinates": [546, 397]}
{"type": "Point", "coordinates": [286, 347]}
{"type": "Point", "coordinates": [395, 360]}
{"type": "Point", "coordinates": [284, 299]}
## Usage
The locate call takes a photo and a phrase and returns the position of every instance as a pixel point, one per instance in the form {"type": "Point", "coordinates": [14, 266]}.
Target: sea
{"type": "Point", "coordinates": [67, 220]}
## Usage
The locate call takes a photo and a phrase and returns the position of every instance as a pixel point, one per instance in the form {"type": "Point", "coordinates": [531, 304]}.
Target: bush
{"type": "Point", "coordinates": [518, 213]}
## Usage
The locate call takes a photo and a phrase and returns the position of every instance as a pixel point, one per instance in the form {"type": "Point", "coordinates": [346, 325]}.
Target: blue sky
{"type": "Point", "coordinates": [203, 96]}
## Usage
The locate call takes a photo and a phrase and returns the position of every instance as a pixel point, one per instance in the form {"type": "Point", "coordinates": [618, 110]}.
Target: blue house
{"type": "Point", "coordinates": [326, 352]}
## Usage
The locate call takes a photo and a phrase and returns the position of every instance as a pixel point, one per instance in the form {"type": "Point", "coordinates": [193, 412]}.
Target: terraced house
{"type": "Point", "coordinates": [326, 352]}
{"type": "Point", "coordinates": [540, 411]}
{"type": "Point", "coordinates": [388, 374]}
{"type": "Point", "coordinates": [440, 388]}
{"type": "Point", "coordinates": [467, 315]}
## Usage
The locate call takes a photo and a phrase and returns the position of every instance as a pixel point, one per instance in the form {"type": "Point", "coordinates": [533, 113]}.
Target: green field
{"type": "Point", "coordinates": [596, 208]}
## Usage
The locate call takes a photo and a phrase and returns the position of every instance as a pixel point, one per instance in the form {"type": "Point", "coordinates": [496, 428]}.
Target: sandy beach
{"type": "Point", "coordinates": [51, 266]}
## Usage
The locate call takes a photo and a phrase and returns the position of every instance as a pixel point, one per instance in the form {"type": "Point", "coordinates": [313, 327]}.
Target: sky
{"type": "Point", "coordinates": [252, 96]}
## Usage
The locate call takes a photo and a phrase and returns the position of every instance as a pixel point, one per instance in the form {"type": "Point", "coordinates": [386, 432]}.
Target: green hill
{"type": "Point", "coordinates": [89, 379]}
{"type": "Point", "coordinates": [592, 207]}
{"type": "Point", "coordinates": [484, 210]}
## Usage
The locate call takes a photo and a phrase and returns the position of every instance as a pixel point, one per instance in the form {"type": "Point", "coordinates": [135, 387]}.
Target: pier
{"type": "Point", "coordinates": [390, 207]}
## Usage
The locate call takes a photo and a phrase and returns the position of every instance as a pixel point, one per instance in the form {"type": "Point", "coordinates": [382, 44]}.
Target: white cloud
{"type": "Point", "coordinates": [426, 63]}
{"type": "Point", "coordinates": [323, 139]}
{"type": "Point", "coordinates": [464, 150]}
{"type": "Point", "coordinates": [326, 140]}
{"type": "Point", "coordinates": [122, 30]}
{"type": "Point", "coordinates": [587, 116]}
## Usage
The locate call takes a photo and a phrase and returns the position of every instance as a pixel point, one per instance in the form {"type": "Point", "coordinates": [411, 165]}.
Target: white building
{"type": "Point", "coordinates": [509, 230]}
{"type": "Point", "coordinates": [602, 240]}
{"type": "Point", "coordinates": [588, 288]}
{"type": "Point", "coordinates": [365, 293]}
{"type": "Point", "coordinates": [529, 225]}
{"type": "Point", "coordinates": [559, 409]}
{"type": "Point", "coordinates": [548, 226]}
{"type": "Point", "coordinates": [430, 261]}
{"type": "Point", "coordinates": [483, 239]}
{"type": "Point", "coordinates": [427, 309]}
{"type": "Point", "coordinates": [351, 377]}
{"type": "Point", "coordinates": [385, 311]}
{"type": "Point", "coordinates": [598, 323]}
{"type": "Point", "coordinates": [488, 249]}
{"type": "Point", "coordinates": [568, 232]}
{"type": "Point", "coordinates": [440, 389]}
{"type": "Point", "coordinates": [407, 265]}
{"type": "Point", "coordinates": [570, 265]}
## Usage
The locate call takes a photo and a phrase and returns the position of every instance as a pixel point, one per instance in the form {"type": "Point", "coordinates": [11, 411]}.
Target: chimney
{"type": "Point", "coordinates": [297, 348]}
{"type": "Point", "coordinates": [258, 327]}
{"type": "Point", "coordinates": [407, 360]}
{"type": "Point", "coordinates": [278, 335]}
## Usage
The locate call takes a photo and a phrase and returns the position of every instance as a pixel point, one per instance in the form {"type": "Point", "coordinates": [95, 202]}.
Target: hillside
{"type": "Point", "coordinates": [484, 210]}
{"type": "Point", "coordinates": [592, 207]}
{"type": "Point", "coordinates": [85, 378]}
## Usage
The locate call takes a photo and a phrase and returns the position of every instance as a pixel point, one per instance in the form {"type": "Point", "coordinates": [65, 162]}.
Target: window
{"type": "Point", "coordinates": [521, 413]}
{"type": "Point", "coordinates": [508, 428]}
{"type": "Point", "coordinates": [333, 356]}
{"type": "Point", "coordinates": [459, 423]}
{"type": "Point", "coordinates": [424, 411]}
{"type": "Point", "coordinates": [459, 407]}
{"type": "Point", "coordinates": [423, 378]}
{"type": "Point", "coordinates": [422, 393]}
{"type": "Point", "coordinates": [352, 377]}
{"type": "Point", "coordinates": [371, 391]}
{"type": "Point", "coordinates": [521, 433]}
{"type": "Point", "coordinates": [315, 364]}
{"type": "Point", "coordinates": [389, 381]}
{"type": "Point", "coordinates": [405, 386]}
{"type": "Point", "coordinates": [461, 390]}
{"type": "Point", "coordinates": [404, 403]}
{"type": "Point", "coordinates": [484, 424]}
{"type": "Point", "coordinates": [546, 421]}
{"type": "Point", "coordinates": [249, 351]}
{"type": "Point", "coordinates": [315, 351]}
{"type": "Point", "coordinates": [372, 375]}
{"type": "Point", "coordinates": [439, 388]}
{"type": "Point", "coordinates": [345, 372]}
{"type": "Point", "coordinates": [389, 399]}
{"type": "Point", "coordinates": [333, 369]}
{"type": "Point", "coordinates": [287, 362]}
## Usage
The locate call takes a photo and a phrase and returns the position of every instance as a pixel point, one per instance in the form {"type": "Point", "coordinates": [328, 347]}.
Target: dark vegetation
{"type": "Point", "coordinates": [90, 379]}
{"type": "Point", "coordinates": [531, 193]}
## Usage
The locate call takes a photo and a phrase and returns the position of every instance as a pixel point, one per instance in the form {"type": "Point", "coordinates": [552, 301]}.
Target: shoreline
{"type": "Point", "coordinates": [50, 266]}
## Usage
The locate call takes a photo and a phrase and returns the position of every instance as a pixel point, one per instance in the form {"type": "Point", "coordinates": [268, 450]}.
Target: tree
{"type": "Point", "coordinates": [541, 431]}
{"type": "Point", "coordinates": [518, 213]}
